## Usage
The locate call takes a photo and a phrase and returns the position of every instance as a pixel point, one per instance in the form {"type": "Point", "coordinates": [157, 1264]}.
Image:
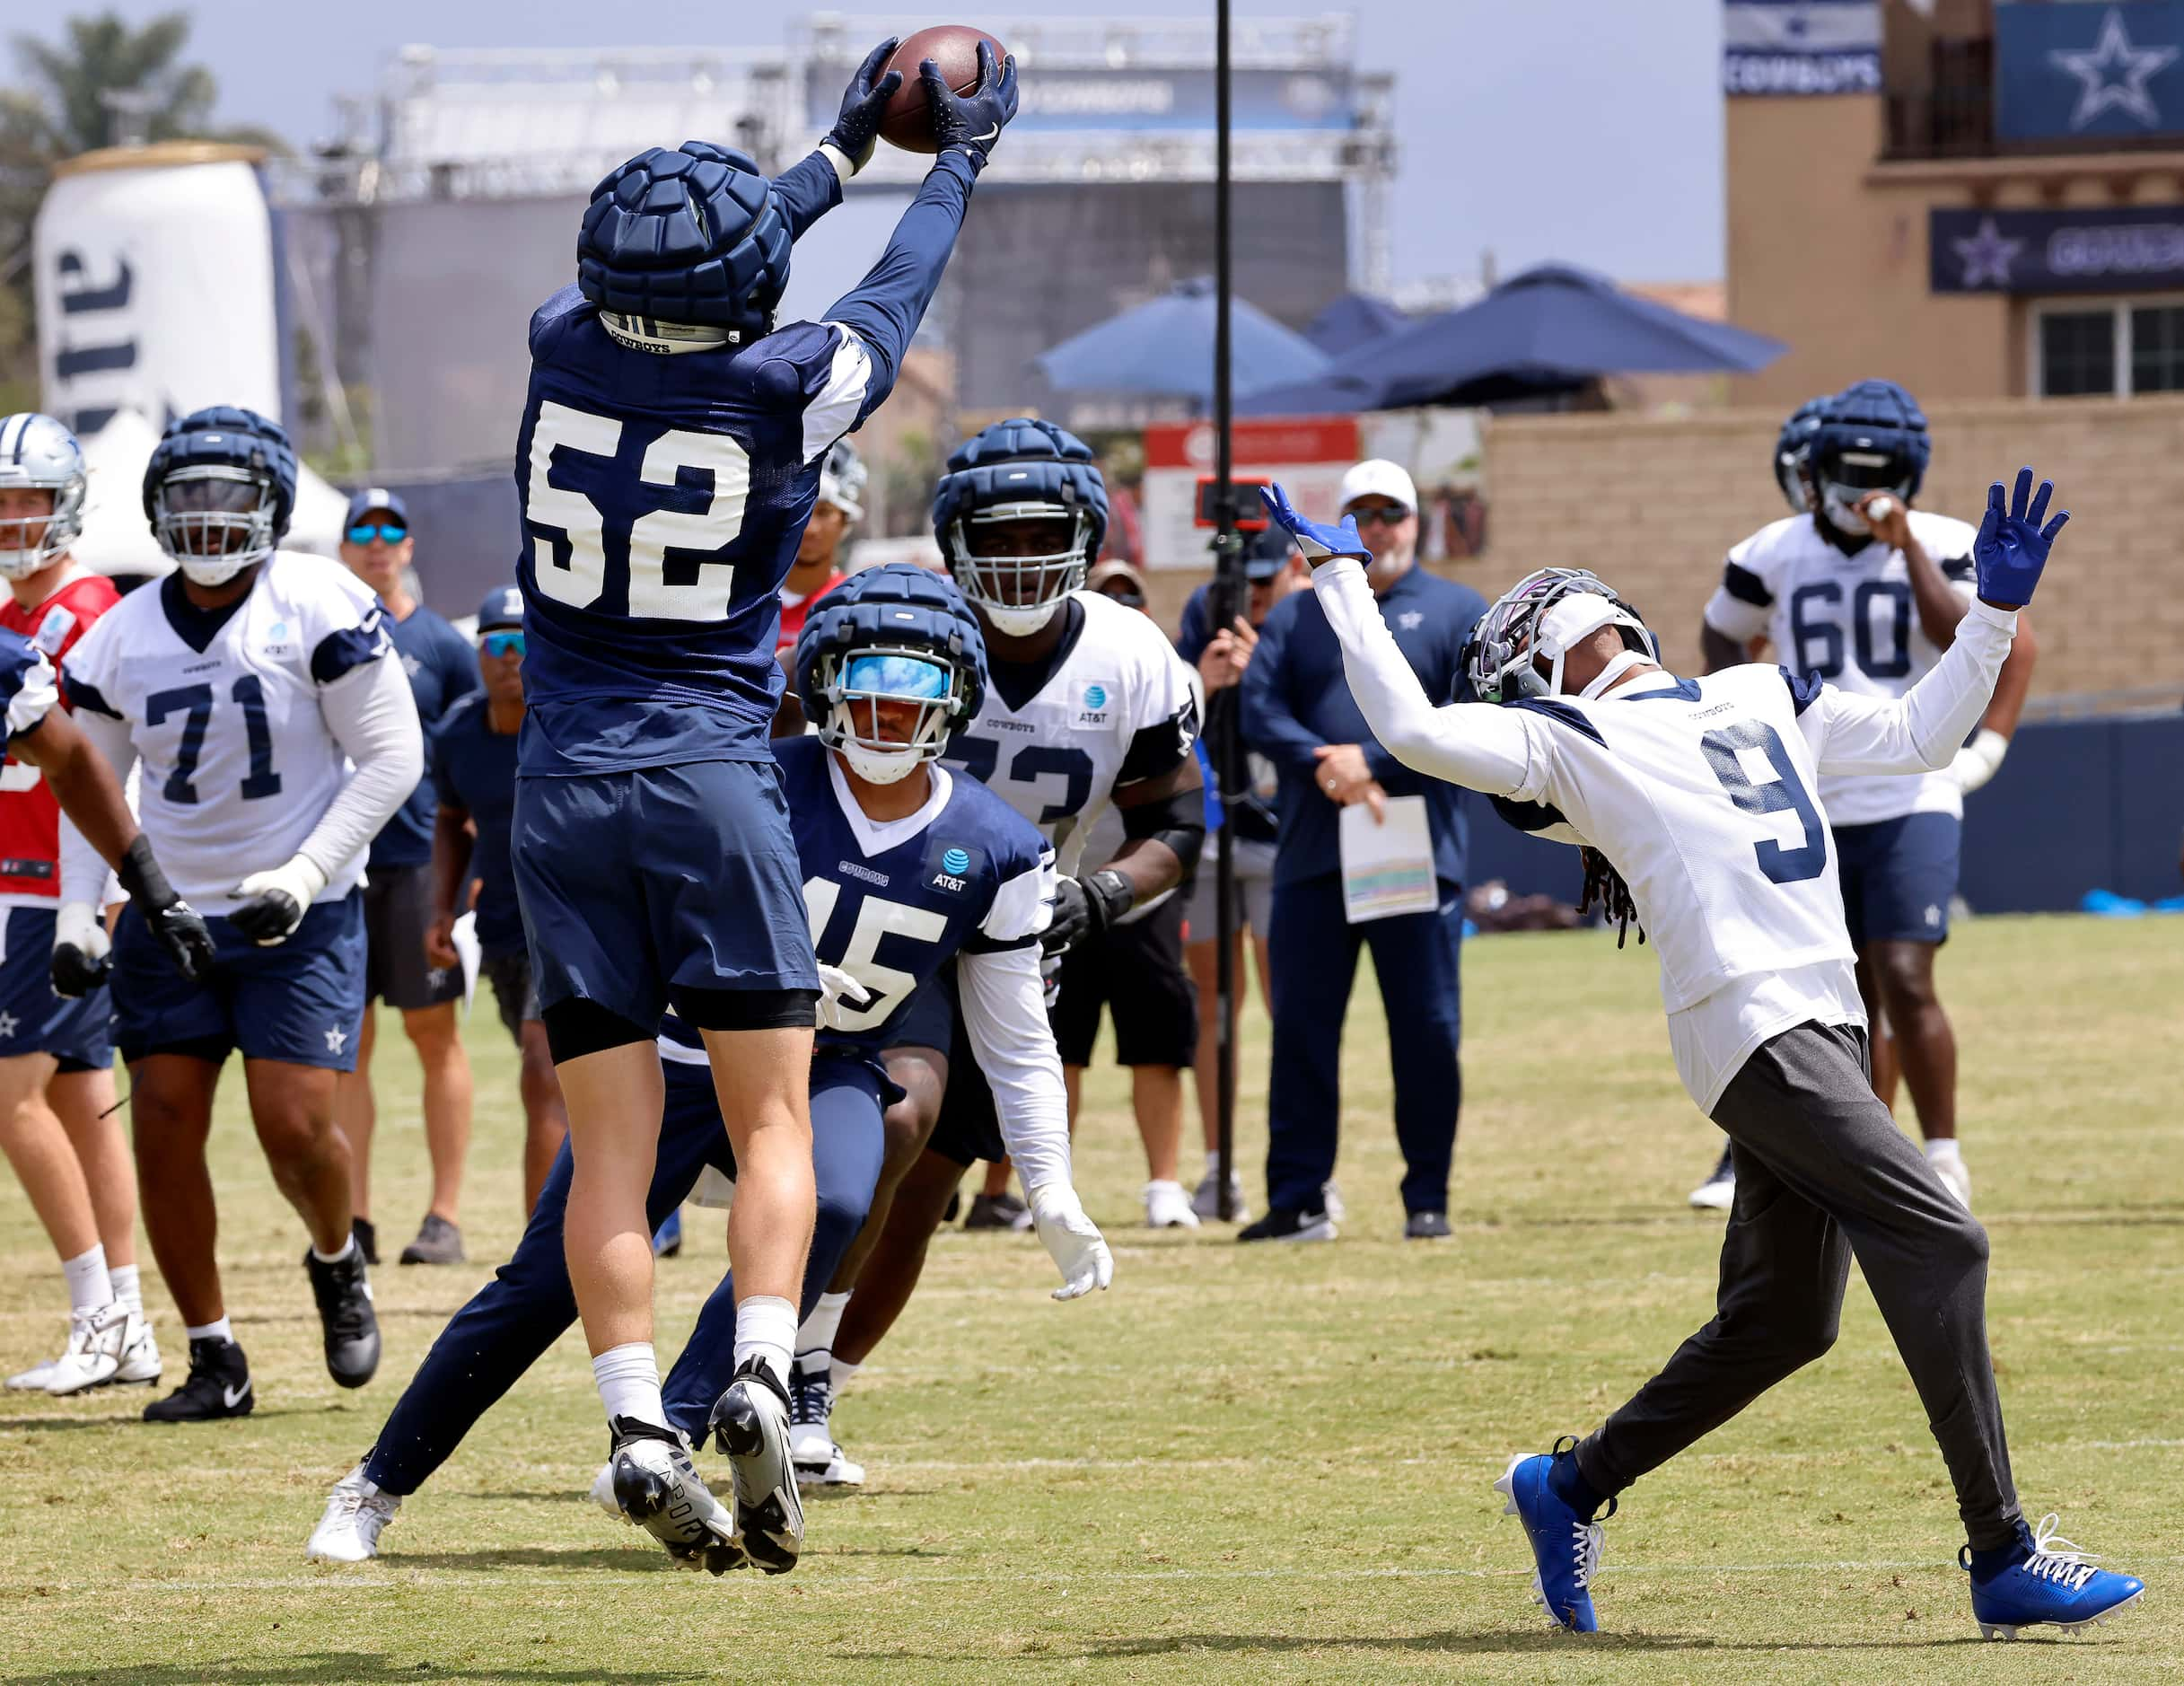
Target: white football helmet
{"type": "Point", "coordinates": [36, 451]}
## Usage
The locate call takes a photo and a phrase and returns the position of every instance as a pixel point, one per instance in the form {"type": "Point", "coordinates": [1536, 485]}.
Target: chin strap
{"type": "Point", "coordinates": [1614, 670]}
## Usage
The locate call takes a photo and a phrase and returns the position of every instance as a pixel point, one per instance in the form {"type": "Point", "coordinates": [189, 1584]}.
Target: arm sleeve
{"type": "Point", "coordinates": [1268, 724]}
{"type": "Point", "coordinates": [374, 717]}
{"type": "Point", "coordinates": [83, 870]}
{"type": "Point", "coordinates": [885, 308]}
{"type": "Point", "coordinates": [1920, 731]}
{"type": "Point", "coordinates": [1004, 1013]}
{"type": "Point", "coordinates": [1023, 906]}
{"type": "Point", "coordinates": [1473, 745]}
{"type": "Point", "coordinates": [1742, 605]}
{"type": "Point", "coordinates": [36, 693]}
{"type": "Point", "coordinates": [809, 189]}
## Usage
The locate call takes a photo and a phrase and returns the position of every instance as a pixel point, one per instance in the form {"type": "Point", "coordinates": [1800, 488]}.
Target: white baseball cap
{"type": "Point", "coordinates": [1376, 476]}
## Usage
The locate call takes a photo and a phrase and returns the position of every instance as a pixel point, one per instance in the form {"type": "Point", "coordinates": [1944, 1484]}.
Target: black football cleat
{"type": "Point", "coordinates": [218, 1385]}
{"type": "Point", "coordinates": [343, 1288]}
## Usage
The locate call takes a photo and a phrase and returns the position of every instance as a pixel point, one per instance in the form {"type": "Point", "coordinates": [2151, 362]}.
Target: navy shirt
{"type": "Point", "coordinates": [474, 770]}
{"type": "Point", "coordinates": [973, 878]}
{"type": "Point", "coordinates": [443, 670]}
{"type": "Point", "coordinates": [664, 497]}
{"type": "Point", "coordinates": [1296, 699]}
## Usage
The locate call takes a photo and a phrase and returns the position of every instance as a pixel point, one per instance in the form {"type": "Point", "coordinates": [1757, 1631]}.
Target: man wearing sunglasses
{"type": "Point", "coordinates": [377, 545]}
{"type": "Point", "coordinates": [1299, 713]}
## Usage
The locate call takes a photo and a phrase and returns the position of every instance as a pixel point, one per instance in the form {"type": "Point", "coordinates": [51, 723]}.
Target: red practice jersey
{"type": "Point", "coordinates": [793, 614]}
{"type": "Point", "coordinates": [30, 816]}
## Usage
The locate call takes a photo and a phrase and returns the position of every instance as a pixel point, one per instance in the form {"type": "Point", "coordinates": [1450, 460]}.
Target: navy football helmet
{"type": "Point", "coordinates": [1793, 447]}
{"type": "Point", "coordinates": [1872, 438]}
{"type": "Point", "coordinates": [685, 249]}
{"type": "Point", "coordinates": [1016, 471]}
{"type": "Point", "coordinates": [894, 633]}
{"type": "Point", "coordinates": [1542, 618]}
{"type": "Point", "coordinates": [219, 491]}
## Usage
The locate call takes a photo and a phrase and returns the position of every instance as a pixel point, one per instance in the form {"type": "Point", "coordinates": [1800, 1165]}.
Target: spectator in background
{"type": "Point", "coordinates": [1298, 712]}
{"type": "Point", "coordinates": [474, 772]}
{"type": "Point", "coordinates": [818, 569]}
{"type": "Point", "coordinates": [377, 546]}
{"type": "Point", "coordinates": [1272, 570]}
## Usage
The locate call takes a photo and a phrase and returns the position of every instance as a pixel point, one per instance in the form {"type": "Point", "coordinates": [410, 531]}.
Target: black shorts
{"type": "Point", "coordinates": [397, 905]}
{"type": "Point", "coordinates": [1136, 971]}
{"type": "Point", "coordinates": [512, 990]}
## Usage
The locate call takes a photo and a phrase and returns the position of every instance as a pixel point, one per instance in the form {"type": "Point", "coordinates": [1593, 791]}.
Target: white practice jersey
{"type": "Point", "coordinates": [1850, 620]}
{"type": "Point", "coordinates": [1118, 705]}
{"type": "Point", "coordinates": [1700, 794]}
{"type": "Point", "coordinates": [238, 764]}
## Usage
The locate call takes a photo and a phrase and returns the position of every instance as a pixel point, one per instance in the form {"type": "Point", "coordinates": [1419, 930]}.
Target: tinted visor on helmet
{"type": "Point", "coordinates": [889, 709]}
{"type": "Point", "coordinates": [1862, 472]}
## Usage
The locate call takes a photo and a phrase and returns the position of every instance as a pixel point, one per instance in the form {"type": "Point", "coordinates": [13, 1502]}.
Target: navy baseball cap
{"type": "Point", "coordinates": [376, 498]}
{"type": "Point", "coordinates": [1267, 555]}
{"type": "Point", "coordinates": [503, 609]}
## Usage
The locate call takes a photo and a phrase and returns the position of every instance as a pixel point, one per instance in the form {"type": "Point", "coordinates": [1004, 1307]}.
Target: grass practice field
{"type": "Point", "coordinates": [1256, 1464]}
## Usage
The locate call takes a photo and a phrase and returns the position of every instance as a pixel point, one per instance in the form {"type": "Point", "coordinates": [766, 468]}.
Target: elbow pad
{"type": "Point", "coordinates": [1177, 819]}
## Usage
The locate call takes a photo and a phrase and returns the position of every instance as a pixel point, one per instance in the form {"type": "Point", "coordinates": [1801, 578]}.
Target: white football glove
{"type": "Point", "coordinates": [79, 951]}
{"type": "Point", "coordinates": [835, 987]}
{"type": "Point", "coordinates": [1072, 1239]}
{"type": "Point", "coordinates": [273, 903]}
{"type": "Point", "coordinates": [1979, 760]}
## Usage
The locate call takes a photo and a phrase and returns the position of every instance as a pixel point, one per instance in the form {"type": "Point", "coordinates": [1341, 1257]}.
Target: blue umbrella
{"type": "Point", "coordinates": [1550, 330]}
{"type": "Point", "coordinates": [1354, 320]}
{"type": "Point", "coordinates": [1165, 347]}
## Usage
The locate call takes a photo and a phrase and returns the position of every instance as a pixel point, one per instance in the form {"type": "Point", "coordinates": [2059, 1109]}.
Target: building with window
{"type": "Point", "coordinates": [1980, 199]}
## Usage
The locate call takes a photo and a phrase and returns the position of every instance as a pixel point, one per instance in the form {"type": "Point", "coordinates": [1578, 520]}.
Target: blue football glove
{"type": "Point", "coordinates": [857, 128]}
{"type": "Point", "coordinates": [2012, 547]}
{"type": "Point", "coordinates": [974, 120]}
{"type": "Point", "coordinates": [1316, 540]}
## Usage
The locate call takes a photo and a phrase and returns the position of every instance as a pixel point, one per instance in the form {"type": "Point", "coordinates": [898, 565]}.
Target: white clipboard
{"type": "Point", "coordinates": [1387, 865]}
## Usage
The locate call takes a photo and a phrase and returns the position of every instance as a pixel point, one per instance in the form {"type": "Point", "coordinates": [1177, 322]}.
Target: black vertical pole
{"type": "Point", "coordinates": [1228, 603]}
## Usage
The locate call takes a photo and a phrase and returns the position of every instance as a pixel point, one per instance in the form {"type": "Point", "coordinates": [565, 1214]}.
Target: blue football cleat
{"type": "Point", "coordinates": [2056, 1586]}
{"type": "Point", "coordinates": [667, 1240]}
{"type": "Point", "coordinates": [1566, 1547]}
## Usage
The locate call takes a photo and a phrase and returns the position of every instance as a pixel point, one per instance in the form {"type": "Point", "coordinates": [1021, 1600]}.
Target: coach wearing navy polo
{"type": "Point", "coordinates": [1298, 712]}
{"type": "Point", "coordinates": [443, 668]}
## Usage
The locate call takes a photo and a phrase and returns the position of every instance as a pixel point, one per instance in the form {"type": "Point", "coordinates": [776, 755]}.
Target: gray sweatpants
{"type": "Point", "coordinates": [1823, 1173]}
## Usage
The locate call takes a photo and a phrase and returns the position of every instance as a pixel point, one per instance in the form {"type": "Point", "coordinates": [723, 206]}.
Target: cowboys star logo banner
{"type": "Point", "coordinates": [1801, 46]}
{"type": "Point", "coordinates": [2119, 249]}
{"type": "Point", "coordinates": [2090, 72]}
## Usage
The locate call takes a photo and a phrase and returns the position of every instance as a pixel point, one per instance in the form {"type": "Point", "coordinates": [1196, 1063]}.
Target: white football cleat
{"type": "Point", "coordinates": [34, 1379]}
{"type": "Point", "coordinates": [1206, 1202]}
{"type": "Point", "coordinates": [97, 1338]}
{"type": "Point", "coordinates": [750, 1424]}
{"type": "Point", "coordinates": [140, 1364]}
{"type": "Point", "coordinates": [356, 1512]}
{"type": "Point", "coordinates": [1167, 1206]}
{"type": "Point", "coordinates": [602, 1491]}
{"type": "Point", "coordinates": [1718, 1192]}
{"type": "Point", "coordinates": [1330, 1202]}
{"type": "Point", "coordinates": [656, 1486]}
{"type": "Point", "coordinates": [1955, 1177]}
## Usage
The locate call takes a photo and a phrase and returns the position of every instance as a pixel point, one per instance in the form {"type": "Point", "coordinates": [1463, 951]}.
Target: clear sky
{"type": "Point", "coordinates": [1587, 130]}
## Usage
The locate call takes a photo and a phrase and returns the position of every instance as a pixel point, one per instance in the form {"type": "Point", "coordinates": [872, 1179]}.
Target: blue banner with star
{"type": "Point", "coordinates": [2089, 72]}
{"type": "Point", "coordinates": [2120, 249]}
{"type": "Point", "coordinates": [1775, 48]}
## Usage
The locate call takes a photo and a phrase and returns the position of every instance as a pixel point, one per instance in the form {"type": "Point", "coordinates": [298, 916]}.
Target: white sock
{"type": "Point", "coordinates": [1942, 1151]}
{"type": "Point", "coordinates": [88, 1285]}
{"type": "Point", "coordinates": [816, 1333]}
{"type": "Point", "coordinates": [349, 1246]}
{"type": "Point", "coordinates": [766, 1328]}
{"type": "Point", "coordinates": [216, 1331]}
{"type": "Point", "coordinates": [128, 1286]}
{"type": "Point", "coordinates": [839, 1371]}
{"type": "Point", "coordinates": [629, 1379]}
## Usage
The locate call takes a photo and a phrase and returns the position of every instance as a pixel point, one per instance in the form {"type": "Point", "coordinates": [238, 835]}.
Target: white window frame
{"type": "Point", "coordinates": [2119, 318]}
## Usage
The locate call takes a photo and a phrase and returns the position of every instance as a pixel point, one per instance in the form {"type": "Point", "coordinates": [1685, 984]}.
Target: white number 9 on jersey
{"type": "Point", "coordinates": [652, 535]}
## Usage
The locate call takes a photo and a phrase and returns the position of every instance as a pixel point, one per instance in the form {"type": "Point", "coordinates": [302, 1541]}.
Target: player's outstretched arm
{"type": "Point", "coordinates": [1472, 744]}
{"type": "Point", "coordinates": [886, 307]}
{"type": "Point", "coordinates": [94, 809]}
{"type": "Point", "coordinates": [811, 188]}
{"type": "Point", "coordinates": [1920, 731]}
{"type": "Point", "coordinates": [1004, 1013]}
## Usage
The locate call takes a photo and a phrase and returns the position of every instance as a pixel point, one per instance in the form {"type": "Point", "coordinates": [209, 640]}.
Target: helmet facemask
{"type": "Point", "coordinates": [1542, 619]}
{"type": "Point", "coordinates": [1845, 475]}
{"type": "Point", "coordinates": [29, 544]}
{"type": "Point", "coordinates": [1019, 593]}
{"type": "Point", "coordinates": [854, 683]}
{"type": "Point", "coordinates": [214, 522]}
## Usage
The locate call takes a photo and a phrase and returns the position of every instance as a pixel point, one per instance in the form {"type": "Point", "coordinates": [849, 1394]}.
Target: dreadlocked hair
{"type": "Point", "coordinates": [1605, 890]}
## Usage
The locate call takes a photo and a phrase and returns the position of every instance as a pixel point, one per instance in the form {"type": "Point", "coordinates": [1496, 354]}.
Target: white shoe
{"type": "Point", "coordinates": [1955, 1177]}
{"type": "Point", "coordinates": [1167, 1206]}
{"type": "Point", "coordinates": [97, 1338]}
{"type": "Point", "coordinates": [140, 1364]}
{"type": "Point", "coordinates": [655, 1487]}
{"type": "Point", "coordinates": [34, 1379]}
{"type": "Point", "coordinates": [750, 1424]}
{"type": "Point", "coordinates": [827, 1466]}
{"type": "Point", "coordinates": [1718, 1192]}
{"type": "Point", "coordinates": [817, 1459]}
{"type": "Point", "coordinates": [602, 1491]}
{"type": "Point", "coordinates": [356, 1512]}
{"type": "Point", "coordinates": [1330, 1202]}
{"type": "Point", "coordinates": [1206, 1202]}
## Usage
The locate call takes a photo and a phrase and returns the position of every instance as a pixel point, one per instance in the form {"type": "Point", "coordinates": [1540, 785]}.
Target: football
{"type": "Point", "coordinates": [953, 48]}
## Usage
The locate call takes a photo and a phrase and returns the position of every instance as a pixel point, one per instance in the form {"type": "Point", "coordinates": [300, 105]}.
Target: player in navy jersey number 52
{"type": "Point", "coordinates": [669, 457]}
